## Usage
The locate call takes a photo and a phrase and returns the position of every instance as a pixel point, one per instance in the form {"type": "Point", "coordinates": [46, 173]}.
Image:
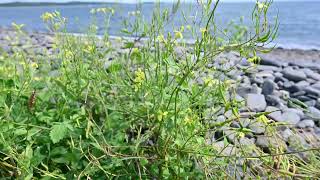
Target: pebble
{"type": "Point", "coordinates": [267, 68]}
{"type": "Point", "coordinates": [311, 103]}
{"type": "Point", "coordinates": [243, 90]}
{"type": "Point", "coordinates": [313, 113]}
{"type": "Point", "coordinates": [286, 133]}
{"type": "Point", "coordinates": [257, 80]}
{"type": "Point", "coordinates": [316, 85]}
{"type": "Point", "coordinates": [271, 62]}
{"type": "Point", "coordinates": [290, 117]}
{"type": "Point", "coordinates": [312, 74]}
{"type": "Point", "coordinates": [247, 141]}
{"type": "Point", "coordinates": [275, 113]}
{"type": "Point", "coordinates": [312, 91]}
{"type": "Point", "coordinates": [268, 87]}
{"type": "Point", "coordinates": [266, 142]}
{"type": "Point", "coordinates": [304, 98]}
{"type": "Point", "coordinates": [294, 75]}
{"type": "Point", "coordinates": [299, 112]}
{"type": "Point", "coordinates": [273, 100]}
{"type": "Point", "coordinates": [226, 149]}
{"type": "Point", "coordinates": [256, 102]}
{"type": "Point", "coordinates": [306, 123]}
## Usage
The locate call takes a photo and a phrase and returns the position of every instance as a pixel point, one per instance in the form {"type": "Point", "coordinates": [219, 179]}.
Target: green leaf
{"type": "Point", "coordinates": [128, 45]}
{"type": "Point", "coordinates": [58, 132]}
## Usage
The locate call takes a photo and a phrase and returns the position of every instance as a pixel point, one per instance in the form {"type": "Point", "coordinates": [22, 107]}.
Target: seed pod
{"type": "Point", "coordinates": [32, 100]}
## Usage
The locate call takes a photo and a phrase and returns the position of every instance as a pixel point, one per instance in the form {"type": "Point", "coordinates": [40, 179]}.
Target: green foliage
{"type": "Point", "coordinates": [58, 132]}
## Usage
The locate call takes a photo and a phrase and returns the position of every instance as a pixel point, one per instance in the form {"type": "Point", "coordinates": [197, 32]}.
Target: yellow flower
{"type": "Point", "coordinates": [47, 16]}
{"type": "Point", "coordinates": [241, 134]}
{"type": "Point", "coordinates": [161, 38]}
{"type": "Point", "coordinates": [188, 120]}
{"type": "Point", "coordinates": [162, 115]}
{"type": "Point", "coordinates": [139, 78]}
{"type": "Point", "coordinates": [182, 28]}
{"type": "Point", "coordinates": [178, 35]}
{"type": "Point", "coordinates": [135, 51]}
{"type": "Point", "coordinates": [102, 10]}
{"type": "Point", "coordinates": [134, 13]}
{"type": "Point", "coordinates": [210, 82]}
{"type": "Point", "coordinates": [263, 119]}
{"type": "Point", "coordinates": [36, 78]}
{"type": "Point", "coordinates": [34, 65]}
{"type": "Point", "coordinates": [68, 54]}
{"type": "Point", "coordinates": [261, 5]}
{"type": "Point", "coordinates": [89, 49]}
{"type": "Point", "coordinates": [203, 30]}
{"type": "Point", "coordinates": [189, 27]}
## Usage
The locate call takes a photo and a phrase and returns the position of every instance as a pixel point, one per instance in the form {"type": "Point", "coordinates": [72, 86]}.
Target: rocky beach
{"type": "Point", "coordinates": [285, 85]}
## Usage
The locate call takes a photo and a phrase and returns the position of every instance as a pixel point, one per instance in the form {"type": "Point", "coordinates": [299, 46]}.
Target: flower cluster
{"type": "Point", "coordinates": [102, 10]}
{"type": "Point", "coordinates": [139, 79]}
{"type": "Point", "coordinates": [54, 20]}
{"type": "Point", "coordinates": [178, 33]}
{"type": "Point", "coordinates": [134, 13]}
{"type": "Point", "coordinates": [47, 16]}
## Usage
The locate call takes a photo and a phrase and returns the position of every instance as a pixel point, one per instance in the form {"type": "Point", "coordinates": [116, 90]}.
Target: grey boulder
{"type": "Point", "coordinates": [294, 75]}
{"type": "Point", "coordinates": [256, 102]}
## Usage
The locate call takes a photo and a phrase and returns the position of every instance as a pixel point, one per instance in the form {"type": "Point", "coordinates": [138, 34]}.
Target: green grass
{"type": "Point", "coordinates": [77, 115]}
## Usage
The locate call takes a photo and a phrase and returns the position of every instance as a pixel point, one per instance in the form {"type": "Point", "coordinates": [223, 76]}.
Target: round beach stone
{"type": "Point", "coordinates": [256, 89]}
{"type": "Point", "coordinates": [227, 150]}
{"type": "Point", "coordinates": [318, 104]}
{"type": "Point", "coordinates": [290, 117]}
{"type": "Point", "coordinates": [286, 133]}
{"type": "Point", "coordinates": [306, 123]}
{"type": "Point", "coordinates": [310, 103]}
{"type": "Point", "coordinates": [316, 85]}
{"type": "Point", "coordinates": [313, 113]}
{"type": "Point", "coordinates": [271, 62]}
{"type": "Point", "coordinates": [304, 98]}
{"type": "Point", "coordinates": [312, 91]}
{"type": "Point", "coordinates": [246, 141]}
{"type": "Point", "coordinates": [256, 102]}
{"type": "Point", "coordinates": [299, 112]}
{"type": "Point", "coordinates": [257, 80]}
{"type": "Point", "coordinates": [267, 142]}
{"type": "Point", "coordinates": [244, 89]}
{"type": "Point", "coordinates": [294, 75]}
{"type": "Point", "coordinates": [297, 94]}
{"type": "Point", "coordinates": [267, 68]}
{"type": "Point", "coordinates": [275, 113]}
{"type": "Point", "coordinates": [273, 100]}
{"type": "Point", "coordinates": [312, 74]}
{"type": "Point", "coordinates": [268, 87]}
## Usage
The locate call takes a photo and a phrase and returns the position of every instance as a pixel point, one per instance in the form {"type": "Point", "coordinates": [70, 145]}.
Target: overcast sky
{"type": "Point", "coordinates": [127, 1]}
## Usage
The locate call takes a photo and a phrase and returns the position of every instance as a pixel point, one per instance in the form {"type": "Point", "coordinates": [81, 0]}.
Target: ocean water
{"type": "Point", "coordinates": [299, 21]}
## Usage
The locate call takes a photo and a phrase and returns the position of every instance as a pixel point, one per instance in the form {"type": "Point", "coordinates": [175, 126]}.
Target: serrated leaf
{"type": "Point", "coordinates": [58, 132]}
